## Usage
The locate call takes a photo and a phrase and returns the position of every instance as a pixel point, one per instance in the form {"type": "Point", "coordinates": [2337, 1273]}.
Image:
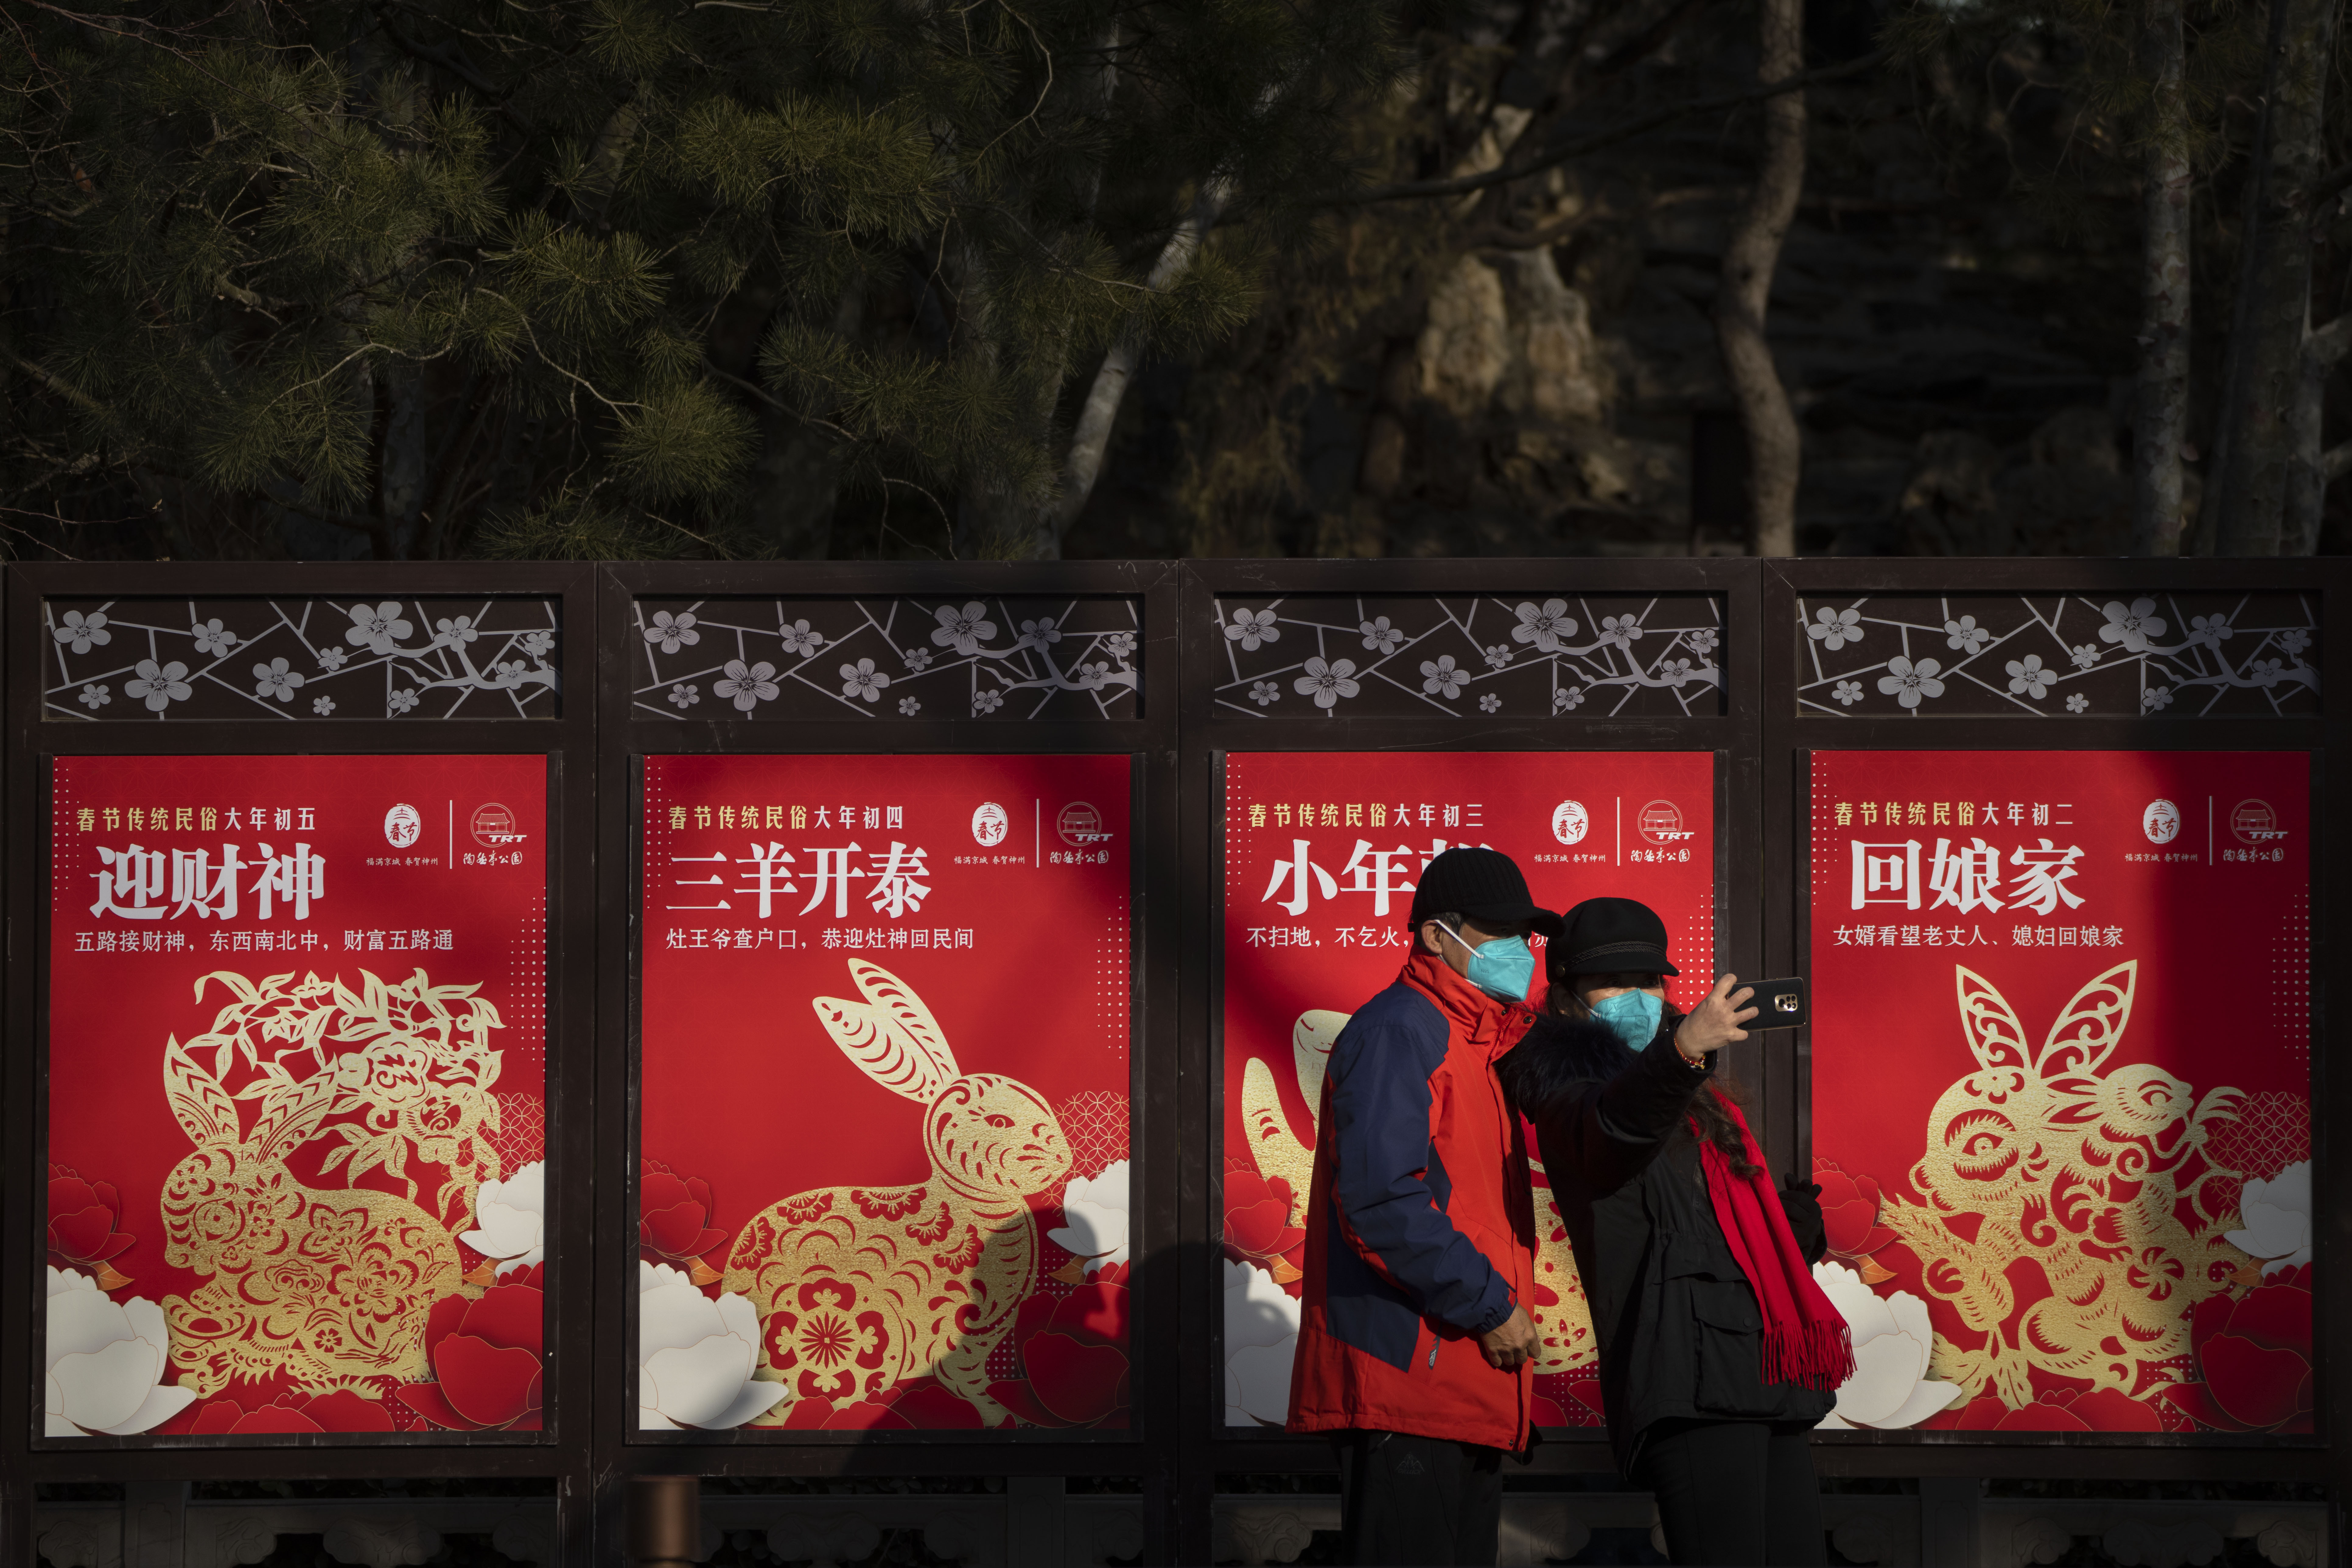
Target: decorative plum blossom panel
{"type": "Point", "coordinates": [925, 659]}
{"type": "Point", "coordinates": [376, 658]}
{"type": "Point", "coordinates": [2181, 655]}
{"type": "Point", "coordinates": [1591, 656]}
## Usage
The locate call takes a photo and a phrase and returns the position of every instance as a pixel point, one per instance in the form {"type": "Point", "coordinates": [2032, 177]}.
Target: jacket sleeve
{"type": "Point", "coordinates": [1377, 1122]}
{"type": "Point", "coordinates": [1612, 1128]}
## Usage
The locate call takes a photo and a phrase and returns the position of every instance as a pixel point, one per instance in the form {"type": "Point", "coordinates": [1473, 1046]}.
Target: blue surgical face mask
{"type": "Point", "coordinates": [1635, 1016]}
{"type": "Point", "coordinates": [1504, 967]}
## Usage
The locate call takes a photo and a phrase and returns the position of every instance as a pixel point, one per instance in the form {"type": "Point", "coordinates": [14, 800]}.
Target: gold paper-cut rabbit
{"type": "Point", "coordinates": [859, 1288]}
{"type": "Point", "coordinates": [320, 1283]}
{"type": "Point", "coordinates": [2100, 1179]}
{"type": "Point", "coordinates": [1564, 1324]}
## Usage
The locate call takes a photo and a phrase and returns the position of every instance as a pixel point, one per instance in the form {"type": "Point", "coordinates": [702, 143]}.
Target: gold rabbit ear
{"type": "Point", "coordinates": [891, 1035]}
{"type": "Point", "coordinates": [897, 1001]}
{"type": "Point", "coordinates": [206, 1113]}
{"type": "Point", "coordinates": [1995, 1035]}
{"type": "Point", "coordinates": [2092, 1026]}
{"type": "Point", "coordinates": [1274, 1148]}
{"type": "Point", "coordinates": [1310, 1049]}
{"type": "Point", "coordinates": [290, 1117]}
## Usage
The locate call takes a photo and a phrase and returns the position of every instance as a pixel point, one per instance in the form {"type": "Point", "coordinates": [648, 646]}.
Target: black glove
{"type": "Point", "coordinates": [1802, 1202]}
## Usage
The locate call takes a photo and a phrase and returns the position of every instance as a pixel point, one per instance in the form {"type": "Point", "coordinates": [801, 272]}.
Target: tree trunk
{"type": "Point", "coordinates": [2310, 467]}
{"type": "Point", "coordinates": [1774, 444]}
{"type": "Point", "coordinates": [2262, 420]}
{"type": "Point", "coordinates": [2162, 419]}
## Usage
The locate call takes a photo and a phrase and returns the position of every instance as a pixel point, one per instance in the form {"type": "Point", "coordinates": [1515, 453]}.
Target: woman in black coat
{"type": "Point", "coordinates": [1691, 1268]}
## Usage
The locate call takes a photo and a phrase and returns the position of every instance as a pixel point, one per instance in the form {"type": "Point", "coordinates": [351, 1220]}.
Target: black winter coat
{"type": "Point", "coordinates": [1679, 1331]}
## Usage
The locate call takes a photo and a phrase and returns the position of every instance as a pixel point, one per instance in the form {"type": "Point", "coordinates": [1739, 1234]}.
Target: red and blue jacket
{"type": "Point", "coordinates": [1419, 1226]}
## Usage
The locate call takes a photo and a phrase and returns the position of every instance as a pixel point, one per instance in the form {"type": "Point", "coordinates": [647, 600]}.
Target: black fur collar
{"type": "Point", "coordinates": [1558, 1054]}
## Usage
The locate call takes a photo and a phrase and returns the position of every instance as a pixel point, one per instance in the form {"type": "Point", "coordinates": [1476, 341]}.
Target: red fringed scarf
{"type": "Point", "coordinates": [1806, 1340]}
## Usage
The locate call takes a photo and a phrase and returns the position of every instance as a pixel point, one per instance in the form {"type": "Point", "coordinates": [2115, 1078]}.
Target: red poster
{"type": "Point", "coordinates": [297, 1073]}
{"type": "Point", "coordinates": [2062, 1087]}
{"type": "Point", "coordinates": [885, 1092]}
{"type": "Point", "coordinates": [1321, 854]}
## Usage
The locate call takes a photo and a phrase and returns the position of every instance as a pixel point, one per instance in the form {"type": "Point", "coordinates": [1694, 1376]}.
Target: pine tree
{"type": "Point", "coordinates": [423, 278]}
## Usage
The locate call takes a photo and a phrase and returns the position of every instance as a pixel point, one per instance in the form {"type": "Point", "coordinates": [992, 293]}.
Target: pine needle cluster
{"type": "Point", "coordinates": [432, 277]}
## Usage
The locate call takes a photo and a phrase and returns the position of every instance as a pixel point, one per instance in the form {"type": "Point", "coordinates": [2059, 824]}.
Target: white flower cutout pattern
{"type": "Point", "coordinates": [1907, 682]}
{"type": "Point", "coordinates": [2133, 626]}
{"type": "Point", "coordinates": [801, 642]}
{"type": "Point", "coordinates": [2026, 677]}
{"type": "Point", "coordinates": [685, 696]}
{"type": "Point", "coordinates": [862, 679]}
{"type": "Point", "coordinates": [1265, 691]}
{"type": "Point", "coordinates": [1440, 675]}
{"type": "Point", "coordinates": [1380, 637]}
{"type": "Point", "coordinates": [909, 707]}
{"type": "Point", "coordinates": [212, 637]}
{"type": "Point", "coordinates": [1965, 633]}
{"type": "Point", "coordinates": [95, 697]}
{"type": "Point", "coordinates": [377, 627]}
{"type": "Point", "coordinates": [1327, 683]}
{"type": "Point", "coordinates": [1498, 656]}
{"type": "Point", "coordinates": [2077, 703]}
{"type": "Point", "coordinates": [1834, 628]}
{"type": "Point", "coordinates": [1701, 642]}
{"type": "Point", "coordinates": [1565, 697]}
{"type": "Point", "coordinates": [673, 632]}
{"type": "Point", "coordinates": [457, 629]}
{"type": "Point", "coordinates": [82, 632]}
{"type": "Point", "coordinates": [2293, 643]}
{"type": "Point", "coordinates": [1040, 632]}
{"type": "Point", "coordinates": [1543, 626]}
{"type": "Point", "coordinates": [275, 679]}
{"type": "Point", "coordinates": [988, 699]}
{"type": "Point", "coordinates": [160, 686]}
{"type": "Point", "coordinates": [2154, 697]}
{"type": "Point", "coordinates": [1252, 627]}
{"type": "Point", "coordinates": [2086, 655]}
{"type": "Point", "coordinates": [963, 630]}
{"type": "Point", "coordinates": [332, 658]}
{"type": "Point", "coordinates": [401, 700]}
{"type": "Point", "coordinates": [1623, 630]}
{"type": "Point", "coordinates": [322, 706]}
{"type": "Point", "coordinates": [917, 659]}
{"type": "Point", "coordinates": [1489, 702]}
{"type": "Point", "coordinates": [2212, 631]}
{"type": "Point", "coordinates": [1848, 692]}
{"type": "Point", "coordinates": [2277, 1216]}
{"type": "Point", "coordinates": [749, 685]}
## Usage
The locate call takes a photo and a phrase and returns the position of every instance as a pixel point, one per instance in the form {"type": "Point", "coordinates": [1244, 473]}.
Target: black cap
{"type": "Point", "coordinates": [1610, 936]}
{"type": "Point", "coordinates": [1483, 885]}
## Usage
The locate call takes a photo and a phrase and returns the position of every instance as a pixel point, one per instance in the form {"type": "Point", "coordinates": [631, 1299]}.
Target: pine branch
{"type": "Point", "coordinates": [1419, 189]}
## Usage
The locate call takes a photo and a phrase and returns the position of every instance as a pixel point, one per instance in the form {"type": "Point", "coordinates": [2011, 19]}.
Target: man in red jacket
{"type": "Point", "coordinates": [1415, 1347]}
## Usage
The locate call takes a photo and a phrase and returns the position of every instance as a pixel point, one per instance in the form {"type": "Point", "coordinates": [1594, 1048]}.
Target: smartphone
{"type": "Point", "coordinates": [1779, 1003]}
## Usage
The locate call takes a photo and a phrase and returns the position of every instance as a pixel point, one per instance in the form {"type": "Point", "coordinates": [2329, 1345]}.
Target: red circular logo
{"type": "Point", "coordinates": [1661, 822]}
{"type": "Point", "coordinates": [494, 827]}
{"type": "Point", "coordinates": [1080, 823]}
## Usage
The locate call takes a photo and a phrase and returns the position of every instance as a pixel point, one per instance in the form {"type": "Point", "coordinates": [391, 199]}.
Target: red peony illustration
{"type": "Point", "coordinates": [919, 1402]}
{"type": "Point", "coordinates": [1850, 1216]}
{"type": "Point", "coordinates": [1073, 1352]}
{"type": "Point", "coordinates": [82, 1220]}
{"type": "Point", "coordinates": [2254, 1353]}
{"type": "Point", "coordinates": [341, 1411]}
{"type": "Point", "coordinates": [1258, 1223]}
{"type": "Point", "coordinates": [2062, 1410]}
{"type": "Point", "coordinates": [486, 1359]}
{"type": "Point", "coordinates": [674, 1223]}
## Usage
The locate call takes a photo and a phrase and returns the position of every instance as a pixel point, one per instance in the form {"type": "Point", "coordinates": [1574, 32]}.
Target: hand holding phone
{"type": "Point", "coordinates": [1715, 1022]}
{"type": "Point", "coordinates": [1782, 1004]}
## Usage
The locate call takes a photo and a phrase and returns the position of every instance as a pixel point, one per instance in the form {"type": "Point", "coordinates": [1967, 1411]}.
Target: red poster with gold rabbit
{"type": "Point", "coordinates": [296, 1095]}
{"type": "Point", "coordinates": [2061, 1087]}
{"type": "Point", "coordinates": [886, 1006]}
{"type": "Point", "coordinates": [1322, 852]}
